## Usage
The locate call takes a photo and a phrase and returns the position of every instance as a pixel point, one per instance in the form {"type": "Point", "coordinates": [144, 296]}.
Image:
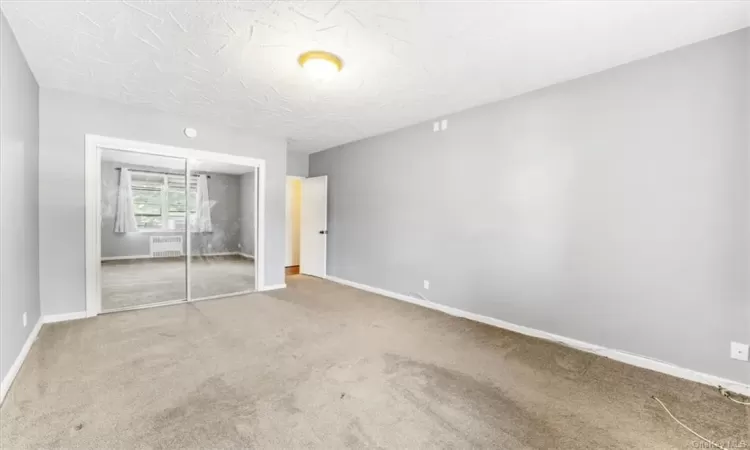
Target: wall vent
{"type": "Point", "coordinates": [165, 246]}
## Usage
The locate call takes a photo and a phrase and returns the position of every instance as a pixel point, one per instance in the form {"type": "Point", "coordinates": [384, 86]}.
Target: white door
{"type": "Point", "coordinates": [313, 226]}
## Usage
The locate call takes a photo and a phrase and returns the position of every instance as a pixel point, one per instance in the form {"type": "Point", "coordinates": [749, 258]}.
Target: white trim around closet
{"type": "Point", "coordinates": [93, 146]}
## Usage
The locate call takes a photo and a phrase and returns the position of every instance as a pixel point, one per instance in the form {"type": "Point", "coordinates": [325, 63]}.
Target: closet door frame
{"type": "Point", "coordinates": [93, 147]}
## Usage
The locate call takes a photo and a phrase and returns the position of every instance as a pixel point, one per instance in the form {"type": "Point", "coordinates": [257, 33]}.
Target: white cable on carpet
{"type": "Point", "coordinates": [685, 426]}
{"type": "Point", "coordinates": [728, 395]}
{"type": "Point", "coordinates": [737, 401]}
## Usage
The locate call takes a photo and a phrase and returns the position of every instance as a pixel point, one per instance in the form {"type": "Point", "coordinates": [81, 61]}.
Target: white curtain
{"type": "Point", "coordinates": [202, 207]}
{"type": "Point", "coordinates": [125, 214]}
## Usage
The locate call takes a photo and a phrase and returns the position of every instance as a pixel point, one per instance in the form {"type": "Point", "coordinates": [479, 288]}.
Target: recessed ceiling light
{"type": "Point", "coordinates": [320, 64]}
{"type": "Point", "coordinates": [190, 132]}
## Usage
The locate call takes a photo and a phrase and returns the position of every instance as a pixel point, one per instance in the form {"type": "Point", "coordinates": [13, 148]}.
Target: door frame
{"type": "Point", "coordinates": [94, 144]}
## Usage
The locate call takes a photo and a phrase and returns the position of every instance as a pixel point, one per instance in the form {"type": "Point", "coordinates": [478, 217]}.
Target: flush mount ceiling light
{"type": "Point", "coordinates": [319, 64]}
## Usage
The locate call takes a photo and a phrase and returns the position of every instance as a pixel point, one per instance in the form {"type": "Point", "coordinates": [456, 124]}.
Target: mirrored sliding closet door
{"type": "Point", "coordinates": [222, 204]}
{"type": "Point", "coordinates": [144, 213]}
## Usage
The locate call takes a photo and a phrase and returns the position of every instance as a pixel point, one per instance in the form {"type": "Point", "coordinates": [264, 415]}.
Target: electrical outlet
{"type": "Point", "coordinates": [444, 124]}
{"type": "Point", "coordinates": [24, 320]}
{"type": "Point", "coordinates": [739, 351]}
{"type": "Point", "coordinates": [426, 284]}
{"type": "Point", "coordinates": [436, 126]}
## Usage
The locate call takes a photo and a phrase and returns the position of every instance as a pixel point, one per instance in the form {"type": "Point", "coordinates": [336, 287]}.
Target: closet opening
{"type": "Point", "coordinates": [167, 225]}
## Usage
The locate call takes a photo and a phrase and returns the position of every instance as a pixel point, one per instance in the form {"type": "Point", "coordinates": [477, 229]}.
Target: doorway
{"type": "Point", "coordinates": [166, 225]}
{"type": "Point", "coordinates": [293, 212]}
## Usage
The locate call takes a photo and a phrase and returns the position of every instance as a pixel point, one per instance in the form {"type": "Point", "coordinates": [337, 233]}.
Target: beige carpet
{"type": "Point", "coordinates": [320, 365]}
{"type": "Point", "coordinates": [143, 282]}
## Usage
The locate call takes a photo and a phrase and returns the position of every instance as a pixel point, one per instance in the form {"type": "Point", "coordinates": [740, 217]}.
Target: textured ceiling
{"type": "Point", "coordinates": [405, 62]}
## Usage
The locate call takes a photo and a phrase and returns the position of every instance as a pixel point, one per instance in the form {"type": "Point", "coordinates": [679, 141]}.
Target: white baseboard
{"type": "Point", "coordinates": [125, 258]}
{"type": "Point", "coordinates": [272, 287]}
{"type": "Point", "coordinates": [53, 318]}
{"type": "Point", "coordinates": [618, 355]}
{"type": "Point", "coordinates": [11, 375]}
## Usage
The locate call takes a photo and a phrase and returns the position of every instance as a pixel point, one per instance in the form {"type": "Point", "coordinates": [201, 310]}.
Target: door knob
{"type": "Point", "coordinates": [323, 231]}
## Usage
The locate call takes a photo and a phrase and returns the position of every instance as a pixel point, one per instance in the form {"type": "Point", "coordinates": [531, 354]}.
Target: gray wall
{"type": "Point", "coordinates": [747, 178]}
{"type": "Point", "coordinates": [224, 192]}
{"type": "Point", "coordinates": [297, 164]}
{"type": "Point", "coordinates": [19, 199]}
{"type": "Point", "coordinates": [611, 209]}
{"type": "Point", "coordinates": [226, 199]}
{"type": "Point", "coordinates": [247, 214]}
{"type": "Point", "coordinates": [64, 119]}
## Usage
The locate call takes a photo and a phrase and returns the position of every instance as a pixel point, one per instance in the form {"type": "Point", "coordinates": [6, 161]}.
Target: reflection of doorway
{"type": "Point", "coordinates": [293, 211]}
{"type": "Point", "coordinates": [166, 225]}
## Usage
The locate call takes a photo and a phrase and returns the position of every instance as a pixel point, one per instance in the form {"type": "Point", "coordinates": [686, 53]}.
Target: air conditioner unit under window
{"type": "Point", "coordinates": [165, 246]}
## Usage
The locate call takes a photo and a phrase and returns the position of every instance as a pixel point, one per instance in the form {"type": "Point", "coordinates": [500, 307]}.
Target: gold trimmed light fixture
{"type": "Point", "coordinates": [320, 64]}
